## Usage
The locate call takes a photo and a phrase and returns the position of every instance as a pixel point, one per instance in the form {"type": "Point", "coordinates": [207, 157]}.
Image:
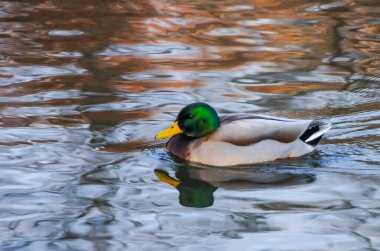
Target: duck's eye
{"type": "Point", "coordinates": [190, 116]}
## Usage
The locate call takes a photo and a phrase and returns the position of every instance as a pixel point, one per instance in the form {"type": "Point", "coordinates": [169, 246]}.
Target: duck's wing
{"type": "Point", "coordinates": [243, 130]}
{"type": "Point", "coordinates": [252, 139]}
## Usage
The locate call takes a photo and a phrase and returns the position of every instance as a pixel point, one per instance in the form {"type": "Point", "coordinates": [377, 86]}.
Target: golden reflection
{"type": "Point", "coordinates": [118, 41]}
{"type": "Point", "coordinates": [132, 146]}
{"type": "Point", "coordinates": [143, 86]}
{"type": "Point", "coordinates": [294, 88]}
{"type": "Point", "coordinates": [110, 118]}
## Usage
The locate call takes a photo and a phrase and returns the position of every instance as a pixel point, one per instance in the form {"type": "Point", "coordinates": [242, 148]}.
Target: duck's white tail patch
{"type": "Point", "coordinates": [322, 130]}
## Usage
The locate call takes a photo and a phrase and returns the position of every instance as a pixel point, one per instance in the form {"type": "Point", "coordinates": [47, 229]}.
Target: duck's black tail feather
{"type": "Point", "coordinates": [314, 132]}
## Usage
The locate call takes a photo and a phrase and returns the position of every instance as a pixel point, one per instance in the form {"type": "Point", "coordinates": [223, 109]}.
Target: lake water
{"type": "Point", "coordinates": [85, 86]}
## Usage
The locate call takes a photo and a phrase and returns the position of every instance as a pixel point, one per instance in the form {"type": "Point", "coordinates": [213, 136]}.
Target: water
{"type": "Point", "coordinates": [85, 86]}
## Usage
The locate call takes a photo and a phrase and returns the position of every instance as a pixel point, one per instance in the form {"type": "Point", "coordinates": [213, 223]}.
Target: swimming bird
{"type": "Point", "coordinates": [199, 135]}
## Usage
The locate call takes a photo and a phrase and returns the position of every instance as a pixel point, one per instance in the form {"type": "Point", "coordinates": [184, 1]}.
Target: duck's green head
{"type": "Point", "coordinates": [194, 120]}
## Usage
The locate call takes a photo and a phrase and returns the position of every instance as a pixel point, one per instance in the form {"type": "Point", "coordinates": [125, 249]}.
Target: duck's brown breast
{"type": "Point", "coordinates": [179, 145]}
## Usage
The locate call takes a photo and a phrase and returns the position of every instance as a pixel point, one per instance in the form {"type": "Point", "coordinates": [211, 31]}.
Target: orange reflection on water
{"type": "Point", "coordinates": [294, 88]}
{"type": "Point", "coordinates": [136, 87]}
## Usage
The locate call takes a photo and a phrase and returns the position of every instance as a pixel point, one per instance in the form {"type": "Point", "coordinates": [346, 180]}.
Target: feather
{"type": "Point", "coordinates": [247, 130]}
{"type": "Point", "coordinates": [322, 129]}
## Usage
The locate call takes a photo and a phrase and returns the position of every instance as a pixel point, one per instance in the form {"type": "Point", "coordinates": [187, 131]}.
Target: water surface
{"type": "Point", "coordinates": [85, 86]}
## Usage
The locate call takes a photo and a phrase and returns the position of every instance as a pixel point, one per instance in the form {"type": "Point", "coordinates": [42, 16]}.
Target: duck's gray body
{"type": "Point", "coordinates": [242, 139]}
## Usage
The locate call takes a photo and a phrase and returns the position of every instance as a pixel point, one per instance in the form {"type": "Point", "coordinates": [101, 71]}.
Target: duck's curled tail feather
{"type": "Point", "coordinates": [315, 131]}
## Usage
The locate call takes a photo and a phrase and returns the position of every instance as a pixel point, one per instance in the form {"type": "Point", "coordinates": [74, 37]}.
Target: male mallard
{"type": "Point", "coordinates": [200, 135]}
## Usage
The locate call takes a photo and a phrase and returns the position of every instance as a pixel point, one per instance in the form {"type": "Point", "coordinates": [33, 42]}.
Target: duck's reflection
{"type": "Point", "coordinates": [196, 186]}
{"type": "Point", "coordinates": [192, 192]}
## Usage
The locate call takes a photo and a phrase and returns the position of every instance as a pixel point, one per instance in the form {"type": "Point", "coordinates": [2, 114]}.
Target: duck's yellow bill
{"type": "Point", "coordinates": [171, 131]}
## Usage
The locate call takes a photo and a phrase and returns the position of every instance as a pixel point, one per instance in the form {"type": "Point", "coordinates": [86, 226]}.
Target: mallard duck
{"type": "Point", "coordinates": [200, 135]}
